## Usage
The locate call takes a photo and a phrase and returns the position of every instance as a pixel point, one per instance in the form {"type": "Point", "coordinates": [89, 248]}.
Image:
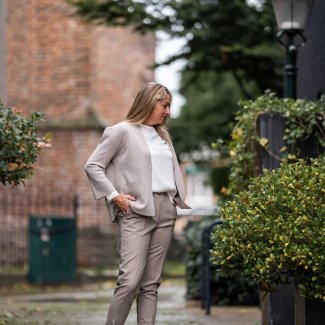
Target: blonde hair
{"type": "Point", "coordinates": [144, 104]}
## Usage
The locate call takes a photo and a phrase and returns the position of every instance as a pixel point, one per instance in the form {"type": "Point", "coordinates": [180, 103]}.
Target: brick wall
{"type": "Point", "coordinates": [60, 66]}
{"type": "Point", "coordinates": [120, 66]}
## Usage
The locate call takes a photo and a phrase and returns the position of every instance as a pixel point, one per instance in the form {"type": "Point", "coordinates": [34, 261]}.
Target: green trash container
{"type": "Point", "coordinates": [52, 249]}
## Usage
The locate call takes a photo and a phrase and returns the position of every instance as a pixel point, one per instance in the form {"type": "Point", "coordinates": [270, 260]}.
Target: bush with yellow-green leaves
{"type": "Point", "coordinates": [274, 232]}
{"type": "Point", "coordinates": [19, 145]}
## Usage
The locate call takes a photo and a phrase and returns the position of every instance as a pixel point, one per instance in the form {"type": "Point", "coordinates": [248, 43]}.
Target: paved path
{"type": "Point", "coordinates": [89, 307]}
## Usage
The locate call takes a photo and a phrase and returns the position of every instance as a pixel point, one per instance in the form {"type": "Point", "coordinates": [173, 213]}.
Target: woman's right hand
{"type": "Point", "coordinates": [121, 201]}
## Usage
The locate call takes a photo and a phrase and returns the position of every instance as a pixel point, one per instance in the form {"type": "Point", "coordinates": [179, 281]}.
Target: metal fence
{"type": "Point", "coordinates": [96, 241]}
{"type": "Point", "coordinates": [97, 236]}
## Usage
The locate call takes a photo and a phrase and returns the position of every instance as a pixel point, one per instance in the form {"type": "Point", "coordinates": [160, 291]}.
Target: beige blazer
{"type": "Point", "coordinates": [121, 162]}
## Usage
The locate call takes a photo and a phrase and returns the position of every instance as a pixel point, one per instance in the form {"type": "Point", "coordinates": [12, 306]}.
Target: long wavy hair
{"type": "Point", "coordinates": [144, 104]}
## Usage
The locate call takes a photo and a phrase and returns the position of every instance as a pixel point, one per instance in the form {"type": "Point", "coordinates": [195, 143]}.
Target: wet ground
{"type": "Point", "coordinates": [88, 305]}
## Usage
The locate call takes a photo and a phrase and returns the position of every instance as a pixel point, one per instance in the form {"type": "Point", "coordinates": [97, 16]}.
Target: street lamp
{"type": "Point", "coordinates": [291, 16]}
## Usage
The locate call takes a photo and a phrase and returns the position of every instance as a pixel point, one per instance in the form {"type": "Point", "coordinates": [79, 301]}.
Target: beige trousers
{"type": "Point", "coordinates": [144, 242]}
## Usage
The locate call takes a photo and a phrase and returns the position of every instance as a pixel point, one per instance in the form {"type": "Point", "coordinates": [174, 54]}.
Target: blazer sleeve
{"type": "Point", "coordinates": [108, 146]}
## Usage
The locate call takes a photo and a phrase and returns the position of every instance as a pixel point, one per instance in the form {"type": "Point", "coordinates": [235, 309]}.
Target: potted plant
{"type": "Point", "coordinates": [274, 232]}
{"type": "Point", "coordinates": [303, 120]}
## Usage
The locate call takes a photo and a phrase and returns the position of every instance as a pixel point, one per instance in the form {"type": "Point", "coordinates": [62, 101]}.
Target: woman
{"type": "Point", "coordinates": [135, 169]}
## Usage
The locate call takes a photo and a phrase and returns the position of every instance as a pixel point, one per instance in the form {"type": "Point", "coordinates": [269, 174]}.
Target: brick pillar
{"type": "Point", "coordinates": [3, 14]}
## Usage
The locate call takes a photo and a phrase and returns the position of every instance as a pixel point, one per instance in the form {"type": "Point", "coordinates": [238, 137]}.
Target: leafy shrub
{"type": "Point", "coordinates": [224, 291]}
{"type": "Point", "coordinates": [275, 231]}
{"type": "Point", "coordinates": [303, 118]}
{"type": "Point", "coordinates": [19, 145]}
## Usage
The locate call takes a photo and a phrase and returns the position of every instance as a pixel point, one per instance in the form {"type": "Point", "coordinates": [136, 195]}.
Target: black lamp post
{"type": "Point", "coordinates": [291, 16]}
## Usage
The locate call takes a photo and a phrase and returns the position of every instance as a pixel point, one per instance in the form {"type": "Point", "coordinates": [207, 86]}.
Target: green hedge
{"type": "Point", "coordinates": [275, 230]}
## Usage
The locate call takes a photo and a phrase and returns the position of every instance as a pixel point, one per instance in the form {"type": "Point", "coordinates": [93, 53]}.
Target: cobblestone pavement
{"type": "Point", "coordinates": [89, 306]}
